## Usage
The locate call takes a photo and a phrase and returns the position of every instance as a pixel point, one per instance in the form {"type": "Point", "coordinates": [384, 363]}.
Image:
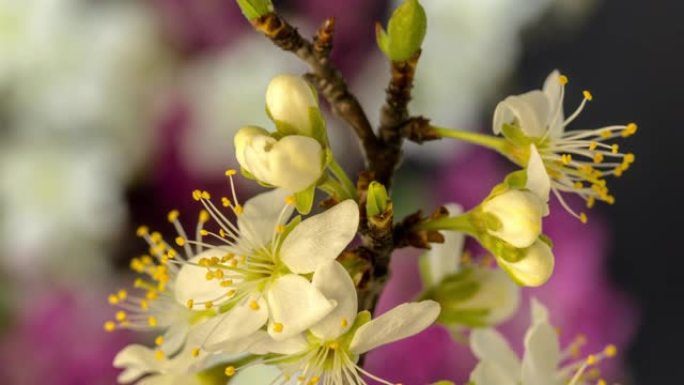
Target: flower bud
{"type": "Point", "coordinates": [289, 100]}
{"type": "Point", "coordinates": [294, 162]}
{"type": "Point", "coordinates": [519, 214]}
{"type": "Point", "coordinates": [377, 199]}
{"type": "Point", "coordinates": [535, 267]}
{"type": "Point", "coordinates": [405, 31]}
{"type": "Point", "coordinates": [254, 9]}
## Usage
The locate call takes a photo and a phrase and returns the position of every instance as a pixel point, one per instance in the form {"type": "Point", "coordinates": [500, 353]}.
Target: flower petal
{"type": "Point", "coordinates": [401, 322]}
{"type": "Point", "coordinates": [444, 257]}
{"type": "Point", "coordinates": [553, 90]}
{"type": "Point", "coordinates": [295, 305]}
{"type": "Point", "coordinates": [520, 214]}
{"type": "Point", "coordinates": [529, 110]}
{"type": "Point", "coordinates": [237, 323]}
{"type": "Point", "coordinates": [538, 311]}
{"type": "Point", "coordinates": [138, 357]}
{"type": "Point", "coordinates": [175, 337]}
{"type": "Point", "coordinates": [242, 140]}
{"type": "Point", "coordinates": [320, 238]}
{"type": "Point", "coordinates": [256, 374]}
{"type": "Point", "coordinates": [538, 180]}
{"type": "Point", "coordinates": [262, 214]}
{"type": "Point", "coordinates": [293, 162]}
{"type": "Point", "coordinates": [534, 269]}
{"type": "Point", "coordinates": [191, 282]}
{"type": "Point", "coordinates": [334, 282]}
{"type": "Point", "coordinates": [490, 346]}
{"type": "Point", "coordinates": [288, 99]}
{"type": "Point", "coordinates": [542, 355]}
{"type": "Point", "coordinates": [489, 373]}
{"type": "Point", "coordinates": [264, 344]}
{"type": "Point", "coordinates": [498, 293]}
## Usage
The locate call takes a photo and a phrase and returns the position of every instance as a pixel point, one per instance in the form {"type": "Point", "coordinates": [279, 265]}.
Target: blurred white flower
{"type": "Point", "coordinates": [59, 203]}
{"type": "Point", "coordinates": [225, 92]}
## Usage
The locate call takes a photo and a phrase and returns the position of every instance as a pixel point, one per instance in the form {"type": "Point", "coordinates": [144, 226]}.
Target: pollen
{"type": "Point", "coordinates": [173, 216]}
{"type": "Point", "coordinates": [225, 202]}
{"type": "Point", "coordinates": [196, 352]}
{"type": "Point", "coordinates": [598, 158]}
{"type": "Point", "coordinates": [231, 172]}
{"type": "Point", "coordinates": [583, 218]}
{"type": "Point", "coordinates": [230, 371]}
{"type": "Point", "coordinates": [159, 340]}
{"type": "Point", "coordinates": [278, 327]}
{"type": "Point", "coordinates": [159, 355]}
{"type": "Point", "coordinates": [206, 195]}
{"type": "Point", "coordinates": [120, 315]}
{"type": "Point", "coordinates": [196, 195]}
{"type": "Point", "coordinates": [238, 209]}
{"type": "Point", "coordinates": [614, 149]}
{"type": "Point", "coordinates": [112, 299]}
{"type": "Point", "coordinates": [591, 359]}
{"type": "Point", "coordinates": [629, 130]}
{"type": "Point", "coordinates": [109, 326]}
{"type": "Point", "coordinates": [344, 323]}
{"type": "Point", "coordinates": [592, 145]}
{"type": "Point", "coordinates": [180, 241]}
{"type": "Point", "coordinates": [152, 321]}
{"type": "Point", "coordinates": [142, 231]}
{"type": "Point", "coordinates": [204, 216]}
{"type": "Point", "coordinates": [563, 80]}
{"type": "Point", "coordinates": [610, 351]}
{"type": "Point", "coordinates": [566, 159]}
{"type": "Point", "coordinates": [587, 95]}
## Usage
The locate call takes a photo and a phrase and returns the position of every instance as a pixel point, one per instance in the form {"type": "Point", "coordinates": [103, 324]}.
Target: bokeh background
{"type": "Point", "coordinates": [112, 111]}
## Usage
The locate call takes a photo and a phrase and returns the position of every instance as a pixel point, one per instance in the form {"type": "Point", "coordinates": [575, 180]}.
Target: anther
{"type": "Point", "coordinates": [152, 321]}
{"type": "Point", "coordinates": [225, 202]}
{"type": "Point", "coordinates": [206, 195]}
{"type": "Point", "coordinates": [610, 350]}
{"type": "Point", "coordinates": [344, 323]}
{"type": "Point", "coordinates": [196, 195]}
{"type": "Point", "coordinates": [563, 80]}
{"type": "Point", "coordinates": [278, 327]}
{"type": "Point", "coordinates": [254, 305]}
{"type": "Point", "coordinates": [196, 352]}
{"type": "Point", "coordinates": [583, 218]}
{"type": "Point", "coordinates": [587, 95]}
{"type": "Point", "coordinates": [159, 355]}
{"type": "Point", "coordinates": [598, 157]}
{"type": "Point", "coordinates": [159, 340]}
{"type": "Point", "coordinates": [230, 371]}
{"type": "Point", "coordinates": [180, 241]}
{"type": "Point", "coordinates": [173, 216]}
{"type": "Point", "coordinates": [204, 216]}
{"type": "Point", "coordinates": [142, 231]}
{"type": "Point", "coordinates": [120, 315]}
{"type": "Point", "coordinates": [290, 200]}
{"type": "Point", "coordinates": [190, 303]}
{"type": "Point", "coordinates": [231, 172]}
{"type": "Point", "coordinates": [109, 326]}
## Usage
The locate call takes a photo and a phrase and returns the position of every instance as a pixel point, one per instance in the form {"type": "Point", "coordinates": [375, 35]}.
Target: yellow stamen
{"type": "Point", "coordinates": [159, 355]}
{"type": "Point", "coordinates": [109, 326]}
{"type": "Point", "coordinates": [173, 216]}
{"type": "Point", "coordinates": [587, 95]}
{"type": "Point", "coordinates": [230, 371]}
{"type": "Point", "coordinates": [152, 321]}
{"type": "Point", "coordinates": [254, 305]}
{"type": "Point", "coordinates": [196, 352]}
{"type": "Point", "coordinates": [204, 216]}
{"type": "Point", "coordinates": [159, 340]}
{"type": "Point", "coordinates": [563, 80]}
{"type": "Point", "coordinates": [190, 303]}
{"type": "Point", "coordinates": [231, 172]}
{"type": "Point", "coordinates": [142, 231]}
{"type": "Point", "coordinates": [278, 327]}
{"type": "Point", "coordinates": [180, 241]}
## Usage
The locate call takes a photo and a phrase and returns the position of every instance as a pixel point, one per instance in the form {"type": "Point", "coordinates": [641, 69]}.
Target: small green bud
{"type": "Point", "coordinates": [405, 31]}
{"type": "Point", "coordinates": [254, 9]}
{"type": "Point", "coordinates": [377, 200]}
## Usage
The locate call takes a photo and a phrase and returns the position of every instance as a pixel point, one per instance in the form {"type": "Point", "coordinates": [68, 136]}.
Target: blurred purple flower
{"type": "Point", "coordinates": [57, 339]}
{"type": "Point", "coordinates": [579, 296]}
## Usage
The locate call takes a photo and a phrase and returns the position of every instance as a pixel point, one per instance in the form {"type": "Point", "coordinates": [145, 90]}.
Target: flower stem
{"type": "Point", "coordinates": [458, 223]}
{"type": "Point", "coordinates": [341, 176]}
{"type": "Point", "coordinates": [492, 142]}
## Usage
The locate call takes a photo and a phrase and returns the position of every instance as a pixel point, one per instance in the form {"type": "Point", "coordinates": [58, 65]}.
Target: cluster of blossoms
{"type": "Point", "coordinates": [265, 284]}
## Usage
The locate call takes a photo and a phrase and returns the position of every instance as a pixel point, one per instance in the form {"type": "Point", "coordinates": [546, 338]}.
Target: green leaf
{"type": "Point", "coordinates": [254, 9]}
{"type": "Point", "coordinates": [304, 199]}
{"type": "Point", "coordinates": [405, 31]}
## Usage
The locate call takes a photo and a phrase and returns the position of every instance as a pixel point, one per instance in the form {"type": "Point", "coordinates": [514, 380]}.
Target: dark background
{"type": "Point", "coordinates": [630, 53]}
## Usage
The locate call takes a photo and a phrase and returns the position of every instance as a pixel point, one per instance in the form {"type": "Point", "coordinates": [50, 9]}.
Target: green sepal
{"type": "Point", "coordinates": [304, 199]}
{"type": "Point", "coordinates": [254, 9]}
{"type": "Point", "coordinates": [424, 269]}
{"type": "Point", "coordinates": [318, 126]}
{"type": "Point", "coordinates": [443, 382]}
{"type": "Point", "coordinates": [405, 32]}
{"type": "Point", "coordinates": [377, 199]}
{"type": "Point", "coordinates": [474, 318]}
{"type": "Point", "coordinates": [516, 180]}
{"type": "Point", "coordinates": [516, 135]}
{"type": "Point", "coordinates": [284, 129]}
{"type": "Point", "coordinates": [244, 172]}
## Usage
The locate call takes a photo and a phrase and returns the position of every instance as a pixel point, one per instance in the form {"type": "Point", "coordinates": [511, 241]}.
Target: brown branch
{"type": "Point", "coordinates": [324, 76]}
